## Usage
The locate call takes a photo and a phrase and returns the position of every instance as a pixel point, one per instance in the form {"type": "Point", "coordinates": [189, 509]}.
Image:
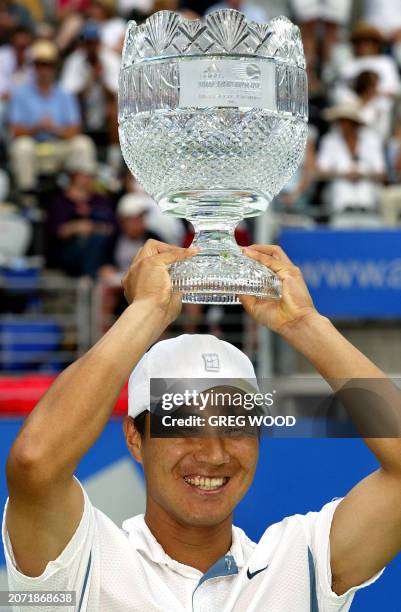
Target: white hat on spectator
{"type": "Point", "coordinates": [134, 204]}
{"type": "Point", "coordinates": [189, 356]}
{"type": "Point", "coordinates": [349, 111]}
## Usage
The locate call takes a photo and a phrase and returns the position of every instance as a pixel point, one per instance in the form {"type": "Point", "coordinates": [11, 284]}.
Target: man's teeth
{"type": "Point", "coordinates": [207, 484]}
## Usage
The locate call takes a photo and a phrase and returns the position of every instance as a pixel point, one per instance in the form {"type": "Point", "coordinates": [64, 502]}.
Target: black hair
{"type": "Point", "coordinates": [364, 81]}
{"type": "Point", "coordinates": [21, 29]}
{"type": "Point", "coordinates": [140, 423]}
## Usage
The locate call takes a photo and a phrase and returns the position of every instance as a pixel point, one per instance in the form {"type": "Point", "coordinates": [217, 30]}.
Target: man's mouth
{"type": "Point", "coordinates": [206, 483]}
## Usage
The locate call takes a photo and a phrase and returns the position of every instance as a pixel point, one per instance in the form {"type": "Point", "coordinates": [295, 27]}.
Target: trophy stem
{"type": "Point", "coordinates": [215, 230]}
{"type": "Point", "coordinates": [220, 271]}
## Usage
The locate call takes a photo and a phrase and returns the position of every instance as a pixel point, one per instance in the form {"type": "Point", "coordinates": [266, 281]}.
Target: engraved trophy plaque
{"type": "Point", "coordinates": [213, 123]}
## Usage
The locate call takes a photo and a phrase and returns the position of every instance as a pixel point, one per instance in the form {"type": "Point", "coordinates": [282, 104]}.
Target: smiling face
{"type": "Point", "coordinates": [195, 481]}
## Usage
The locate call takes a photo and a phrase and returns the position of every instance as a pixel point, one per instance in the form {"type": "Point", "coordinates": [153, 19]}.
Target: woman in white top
{"type": "Point", "coordinates": [351, 159]}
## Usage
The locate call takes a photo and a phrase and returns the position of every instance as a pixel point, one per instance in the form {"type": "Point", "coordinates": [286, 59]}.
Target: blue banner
{"type": "Point", "coordinates": [350, 273]}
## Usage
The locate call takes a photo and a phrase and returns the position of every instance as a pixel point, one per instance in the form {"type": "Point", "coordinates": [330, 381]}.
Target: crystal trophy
{"type": "Point", "coordinates": [213, 123]}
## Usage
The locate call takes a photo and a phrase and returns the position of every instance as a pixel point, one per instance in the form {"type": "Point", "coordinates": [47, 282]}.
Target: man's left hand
{"type": "Point", "coordinates": [296, 303]}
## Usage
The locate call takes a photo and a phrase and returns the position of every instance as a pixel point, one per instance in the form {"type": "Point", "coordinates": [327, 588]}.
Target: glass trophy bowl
{"type": "Point", "coordinates": [213, 123]}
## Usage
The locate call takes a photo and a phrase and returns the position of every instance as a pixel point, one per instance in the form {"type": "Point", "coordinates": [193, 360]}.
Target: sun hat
{"type": "Point", "coordinates": [44, 51]}
{"type": "Point", "coordinates": [365, 31]}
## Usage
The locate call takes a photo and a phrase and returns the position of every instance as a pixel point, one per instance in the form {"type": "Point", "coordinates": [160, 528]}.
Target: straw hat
{"type": "Point", "coordinates": [366, 31]}
{"type": "Point", "coordinates": [44, 51]}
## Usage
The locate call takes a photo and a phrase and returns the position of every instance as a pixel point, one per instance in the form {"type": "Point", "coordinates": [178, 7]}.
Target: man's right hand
{"type": "Point", "coordinates": [148, 277]}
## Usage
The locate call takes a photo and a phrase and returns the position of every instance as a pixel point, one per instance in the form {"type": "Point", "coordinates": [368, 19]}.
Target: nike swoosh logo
{"type": "Point", "coordinates": [253, 574]}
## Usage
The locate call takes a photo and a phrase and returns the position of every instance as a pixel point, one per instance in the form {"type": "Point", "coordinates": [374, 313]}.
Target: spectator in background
{"type": "Point", "coordinates": [13, 16]}
{"type": "Point", "coordinates": [111, 26]}
{"type": "Point", "coordinates": [15, 62]}
{"type": "Point", "coordinates": [320, 21]}
{"type": "Point", "coordinates": [386, 16]}
{"type": "Point", "coordinates": [43, 114]}
{"type": "Point", "coordinates": [45, 31]}
{"type": "Point", "coordinates": [175, 5]}
{"type": "Point", "coordinates": [36, 9]}
{"type": "Point", "coordinates": [132, 211]}
{"type": "Point", "coordinates": [376, 110]}
{"type": "Point", "coordinates": [80, 225]}
{"type": "Point", "coordinates": [351, 159]}
{"type": "Point", "coordinates": [133, 231]}
{"type": "Point", "coordinates": [295, 196]}
{"type": "Point", "coordinates": [249, 9]}
{"type": "Point", "coordinates": [15, 68]}
{"type": "Point", "coordinates": [15, 233]}
{"type": "Point", "coordinates": [126, 7]}
{"type": "Point", "coordinates": [391, 201]}
{"type": "Point", "coordinates": [168, 227]}
{"type": "Point", "coordinates": [367, 43]}
{"type": "Point", "coordinates": [70, 15]}
{"type": "Point", "coordinates": [91, 73]}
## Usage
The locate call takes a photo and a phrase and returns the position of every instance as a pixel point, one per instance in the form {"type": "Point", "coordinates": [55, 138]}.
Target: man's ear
{"type": "Point", "coordinates": [133, 438]}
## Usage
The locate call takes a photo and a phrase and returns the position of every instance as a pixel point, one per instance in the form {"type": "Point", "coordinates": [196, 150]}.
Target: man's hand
{"type": "Point", "coordinates": [296, 303]}
{"type": "Point", "coordinates": [46, 124]}
{"type": "Point", "coordinates": [148, 277]}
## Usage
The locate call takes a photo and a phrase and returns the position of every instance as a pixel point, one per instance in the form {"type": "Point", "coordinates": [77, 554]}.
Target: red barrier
{"type": "Point", "coordinates": [19, 395]}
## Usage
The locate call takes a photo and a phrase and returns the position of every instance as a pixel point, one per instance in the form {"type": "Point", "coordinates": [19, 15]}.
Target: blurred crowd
{"type": "Point", "coordinates": [65, 194]}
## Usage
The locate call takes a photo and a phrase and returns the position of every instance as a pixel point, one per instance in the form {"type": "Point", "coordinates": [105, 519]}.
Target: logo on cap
{"type": "Point", "coordinates": [211, 361]}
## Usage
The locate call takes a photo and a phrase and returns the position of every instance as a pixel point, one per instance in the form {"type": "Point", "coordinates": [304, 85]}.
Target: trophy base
{"type": "Point", "coordinates": [220, 271]}
{"type": "Point", "coordinates": [221, 278]}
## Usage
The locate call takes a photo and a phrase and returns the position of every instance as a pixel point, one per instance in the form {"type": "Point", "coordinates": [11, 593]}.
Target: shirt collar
{"type": "Point", "coordinates": [143, 540]}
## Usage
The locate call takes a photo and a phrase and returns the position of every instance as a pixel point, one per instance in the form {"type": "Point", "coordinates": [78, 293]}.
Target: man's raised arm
{"type": "Point", "coordinates": [366, 529]}
{"type": "Point", "coordinates": [45, 501]}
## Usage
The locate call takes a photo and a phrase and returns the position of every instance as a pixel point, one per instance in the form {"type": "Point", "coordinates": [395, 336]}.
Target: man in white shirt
{"type": "Point", "coordinates": [184, 554]}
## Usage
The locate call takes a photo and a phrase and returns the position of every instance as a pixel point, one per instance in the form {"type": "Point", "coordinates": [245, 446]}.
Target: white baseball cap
{"type": "Point", "coordinates": [189, 356]}
{"type": "Point", "coordinates": [134, 204]}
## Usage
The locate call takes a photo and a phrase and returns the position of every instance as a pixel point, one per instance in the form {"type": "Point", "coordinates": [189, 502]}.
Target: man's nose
{"type": "Point", "coordinates": [211, 450]}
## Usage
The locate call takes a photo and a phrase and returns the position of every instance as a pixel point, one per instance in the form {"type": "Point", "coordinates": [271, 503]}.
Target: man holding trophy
{"type": "Point", "coordinates": [184, 553]}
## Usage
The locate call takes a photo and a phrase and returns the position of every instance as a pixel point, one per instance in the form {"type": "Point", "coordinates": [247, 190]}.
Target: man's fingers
{"type": "Point", "coordinates": [247, 300]}
{"type": "Point", "coordinates": [171, 256]}
{"type": "Point", "coordinates": [274, 264]}
{"type": "Point", "coordinates": [271, 249]}
{"type": "Point", "coordinates": [155, 247]}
